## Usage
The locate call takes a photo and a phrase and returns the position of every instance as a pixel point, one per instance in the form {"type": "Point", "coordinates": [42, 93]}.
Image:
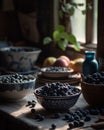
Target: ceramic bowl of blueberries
{"type": "Point", "coordinates": [15, 87]}
{"type": "Point", "coordinates": [93, 89]}
{"type": "Point", "coordinates": [57, 95]}
{"type": "Point", "coordinates": [56, 72]}
{"type": "Point", "coordinates": [19, 59]}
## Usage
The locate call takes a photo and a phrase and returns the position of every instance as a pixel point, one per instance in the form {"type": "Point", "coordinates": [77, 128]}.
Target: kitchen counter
{"type": "Point", "coordinates": [17, 115]}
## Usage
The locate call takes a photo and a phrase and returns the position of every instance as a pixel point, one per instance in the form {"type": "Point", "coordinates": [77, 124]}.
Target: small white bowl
{"type": "Point", "coordinates": [56, 72]}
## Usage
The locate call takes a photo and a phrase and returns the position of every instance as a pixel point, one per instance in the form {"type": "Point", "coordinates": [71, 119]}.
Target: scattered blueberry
{"type": "Point", "coordinates": [71, 125]}
{"type": "Point", "coordinates": [33, 110]}
{"type": "Point", "coordinates": [76, 123]}
{"type": "Point", "coordinates": [53, 126]}
{"type": "Point", "coordinates": [39, 117]}
{"type": "Point", "coordinates": [87, 118]}
{"type": "Point", "coordinates": [81, 123]}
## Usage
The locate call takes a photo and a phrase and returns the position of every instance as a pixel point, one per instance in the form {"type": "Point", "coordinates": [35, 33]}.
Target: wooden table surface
{"type": "Point", "coordinates": [19, 116]}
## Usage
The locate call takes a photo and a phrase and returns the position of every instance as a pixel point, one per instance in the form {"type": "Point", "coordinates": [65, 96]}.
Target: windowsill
{"type": "Point", "coordinates": [83, 48]}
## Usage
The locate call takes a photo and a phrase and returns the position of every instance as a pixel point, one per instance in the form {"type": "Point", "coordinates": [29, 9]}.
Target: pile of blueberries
{"type": "Point", "coordinates": [57, 89]}
{"type": "Point", "coordinates": [74, 119]}
{"type": "Point", "coordinates": [15, 78]}
{"type": "Point", "coordinates": [96, 78]}
{"type": "Point", "coordinates": [56, 69]}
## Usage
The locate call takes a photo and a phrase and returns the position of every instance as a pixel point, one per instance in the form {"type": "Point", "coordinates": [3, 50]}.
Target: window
{"type": "Point", "coordinates": [84, 27]}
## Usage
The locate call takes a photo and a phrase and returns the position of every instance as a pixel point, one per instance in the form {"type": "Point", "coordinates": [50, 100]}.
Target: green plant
{"type": "Point", "coordinates": [61, 35]}
{"type": "Point", "coordinates": [61, 38]}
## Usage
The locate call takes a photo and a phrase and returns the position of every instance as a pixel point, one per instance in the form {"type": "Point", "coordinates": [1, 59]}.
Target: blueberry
{"type": "Point", "coordinates": [71, 118]}
{"type": "Point", "coordinates": [37, 116]}
{"type": "Point", "coordinates": [81, 123]}
{"type": "Point", "coordinates": [71, 125]}
{"type": "Point", "coordinates": [41, 118]}
{"type": "Point", "coordinates": [67, 116]}
{"type": "Point", "coordinates": [79, 114]}
{"type": "Point", "coordinates": [94, 111]}
{"type": "Point", "coordinates": [76, 123]}
{"type": "Point", "coordinates": [33, 110]}
{"type": "Point", "coordinates": [53, 126]}
{"type": "Point", "coordinates": [77, 118]}
{"type": "Point", "coordinates": [87, 118]}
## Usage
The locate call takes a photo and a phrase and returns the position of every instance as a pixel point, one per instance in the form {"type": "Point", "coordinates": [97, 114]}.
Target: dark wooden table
{"type": "Point", "coordinates": [16, 115]}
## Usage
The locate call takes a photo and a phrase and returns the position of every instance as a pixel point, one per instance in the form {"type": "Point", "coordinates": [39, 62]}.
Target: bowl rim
{"type": "Point", "coordinates": [33, 49]}
{"type": "Point", "coordinates": [56, 97]}
{"type": "Point", "coordinates": [31, 80]}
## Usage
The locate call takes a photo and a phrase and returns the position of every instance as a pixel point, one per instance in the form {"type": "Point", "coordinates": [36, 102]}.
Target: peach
{"type": "Point", "coordinates": [61, 62]}
{"type": "Point", "coordinates": [66, 58]}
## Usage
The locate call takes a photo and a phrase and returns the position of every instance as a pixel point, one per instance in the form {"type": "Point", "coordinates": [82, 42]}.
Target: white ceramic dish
{"type": "Point", "coordinates": [56, 74]}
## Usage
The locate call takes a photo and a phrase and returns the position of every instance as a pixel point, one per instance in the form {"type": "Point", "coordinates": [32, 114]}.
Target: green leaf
{"type": "Point", "coordinates": [77, 46]}
{"type": "Point", "coordinates": [80, 4]}
{"type": "Point", "coordinates": [74, 4]}
{"type": "Point", "coordinates": [64, 36]}
{"type": "Point", "coordinates": [68, 6]}
{"type": "Point", "coordinates": [71, 38]}
{"type": "Point", "coordinates": [71, 11]}
{"type": "Point", "coordinates": [73, 41]}
{"type": "Point", "coordinates": [63, 9]}
{"type": "Point", "coordinates": [62, 44]}
{"type": "Point", "coordinates": [56, 35]}
{"type": "Point", "coordinates": [83, 12]}
{"type": "Point", "coordinates": [47, 40]}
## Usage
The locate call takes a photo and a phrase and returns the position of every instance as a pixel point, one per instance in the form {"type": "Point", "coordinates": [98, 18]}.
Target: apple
{"type": "Point", "coordinates": [61, 62]}
{"type": "Point", "coordinates": [49, 61]}
{"type": "Point", "coordinates": [66, 58]}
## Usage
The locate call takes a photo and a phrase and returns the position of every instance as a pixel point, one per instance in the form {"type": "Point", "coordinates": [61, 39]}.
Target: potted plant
{"type": "Point", "coordinates": [61, 38]}
{"type": "Point", "coordinates": [62, 35]}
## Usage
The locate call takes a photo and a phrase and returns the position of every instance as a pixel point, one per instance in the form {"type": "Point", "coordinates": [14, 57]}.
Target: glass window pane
{"type": "Point", "coordinates": [95, 21]}
{"type": "Point", "coordinates": [78, 22]}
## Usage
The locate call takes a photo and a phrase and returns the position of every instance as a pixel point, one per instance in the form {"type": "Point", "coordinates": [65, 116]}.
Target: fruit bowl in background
{"type": "Point", "coordinates": [14, 87]}
{"type": "Point", "coordinates": [52, 97]}
{"type": "Point", "coordinates": [19, 59]}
